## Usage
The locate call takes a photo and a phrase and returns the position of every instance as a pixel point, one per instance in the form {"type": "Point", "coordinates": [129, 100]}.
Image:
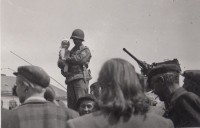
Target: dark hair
{"type": "Point", "coordinates": [170, 77]}
{"type": "Point", "coordinates": [94, 85]}
{"type": "Point", "coordinates": [121, 90]}
{"type": "Point", "coordinates": [49, 94]}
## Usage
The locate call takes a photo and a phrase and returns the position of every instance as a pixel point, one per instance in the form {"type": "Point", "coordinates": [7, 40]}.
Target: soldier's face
{"type": "Point", "coordinates": [86, 107]}
{"type": "Point", "coordinates": [77, 42]}
{"type": "Point", "coordinates": [159, 88]}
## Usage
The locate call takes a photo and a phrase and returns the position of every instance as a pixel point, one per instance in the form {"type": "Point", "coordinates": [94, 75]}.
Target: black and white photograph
{"type": "Point", "coordinates": [100, 63]}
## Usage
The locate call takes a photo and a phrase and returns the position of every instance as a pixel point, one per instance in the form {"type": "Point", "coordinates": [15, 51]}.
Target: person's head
{"type": "Point", "coordinates": [12, 104]}
{"type": "Point", "coordinates": [31, 81]}
{"type": "Point", "coordinates": [164, 79]}
{"type": "Point", "coordinates": [49, 94]}
{"type": "Point", "coordinates": [65, 43]}
{"type": "Point", "coordinates": [121, 90]}
{"type": "Point", "coordinates": [192, 81]}
{"type": "Point", "coordinates": [86, 104]}
{"type": "Point", "coordinates": [78, 37]}
{"type": "Point", "coordinates": [95, 89]}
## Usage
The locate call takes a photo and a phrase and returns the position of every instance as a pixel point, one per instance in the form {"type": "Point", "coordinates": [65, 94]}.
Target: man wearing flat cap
{"type": "Point", "coordinates": [192, 81]}
{"type": "Point", "coordinates": [86, 104]}
{"type": "Point", "coordinates": [182, 107]}
{"type": "Point", "coordinates": [35, 111]}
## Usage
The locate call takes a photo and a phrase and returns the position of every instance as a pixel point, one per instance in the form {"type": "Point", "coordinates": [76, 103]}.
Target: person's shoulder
{"type": "Point", "coordinates": [91, 116]}
{"type": "Point", "coordinates": [5, 112]}
{"type": "Point", "coordinates": [71, 113]}
{"type": "Point", "coordinates": [82, 48]}
{"type": "Point", "coordinates": [159, 120]}
{"type": "Point", "coordinates": [86, 121]}
{"type": "Point", "coordinates": [85, 50]}
{"type": "Point", "coordinates": [189, 96]}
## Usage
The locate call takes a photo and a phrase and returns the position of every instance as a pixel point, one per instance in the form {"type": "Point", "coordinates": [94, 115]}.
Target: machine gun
{"type": "Point", "coordinates": [145, 68]}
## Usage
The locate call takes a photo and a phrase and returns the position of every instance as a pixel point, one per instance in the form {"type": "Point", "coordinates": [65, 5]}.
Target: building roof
{"type": "Point", "coordinates": [7, 83]}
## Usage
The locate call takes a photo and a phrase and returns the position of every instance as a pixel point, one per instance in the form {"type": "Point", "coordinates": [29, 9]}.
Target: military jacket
{"type": "Point", "coordinates": [78, 63]}
{"type": "Point", "coordinates": [184, 109]}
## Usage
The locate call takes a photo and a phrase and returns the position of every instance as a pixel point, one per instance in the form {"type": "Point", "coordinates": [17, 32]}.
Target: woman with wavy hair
{"type": "Point", "coordinates": [122, 102]}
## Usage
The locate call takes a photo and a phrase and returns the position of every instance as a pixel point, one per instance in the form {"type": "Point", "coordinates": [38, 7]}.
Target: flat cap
{"type": "Point", "coordinates": [193, 75]}
{"type": "Point", "coordinates": [163, 68]}
{"type": "Point", "coordinates": [86, 97]}
{"type": "Point", "coordinates": [34, 74]}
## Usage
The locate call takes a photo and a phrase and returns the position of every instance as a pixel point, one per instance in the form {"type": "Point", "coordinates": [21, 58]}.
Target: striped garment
{"type": "Point", "coordinates": [39, 114]}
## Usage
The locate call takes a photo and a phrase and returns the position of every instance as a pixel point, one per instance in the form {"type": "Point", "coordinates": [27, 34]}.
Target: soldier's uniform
{"type": "Point", "coordinates": [77, 79]}
{"type": "Point", "coordinates": [182, 107]}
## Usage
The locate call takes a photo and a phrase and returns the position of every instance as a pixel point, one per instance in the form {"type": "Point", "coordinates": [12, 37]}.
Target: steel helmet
{"type": "Point", "coordinates": [78, 34]}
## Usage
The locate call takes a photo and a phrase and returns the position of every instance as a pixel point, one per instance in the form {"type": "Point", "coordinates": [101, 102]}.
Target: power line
{"type": "Point", "coordinates": [32, 65]}
{"type": "Point", "coordinates": [8, 68]}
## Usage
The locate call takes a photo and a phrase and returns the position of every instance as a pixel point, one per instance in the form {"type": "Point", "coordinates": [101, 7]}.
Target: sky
{"type": "Point", "coordinates": [152, 30]}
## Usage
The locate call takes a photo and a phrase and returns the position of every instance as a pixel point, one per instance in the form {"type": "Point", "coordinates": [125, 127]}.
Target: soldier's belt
{"type": "Point", "coordinates": [77, 76]}
{"type": "Point", "coordinates": [76, 69]}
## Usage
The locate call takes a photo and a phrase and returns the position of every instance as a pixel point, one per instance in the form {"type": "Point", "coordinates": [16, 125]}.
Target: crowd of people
{"type": "Point", "coordinates": [118, 98]}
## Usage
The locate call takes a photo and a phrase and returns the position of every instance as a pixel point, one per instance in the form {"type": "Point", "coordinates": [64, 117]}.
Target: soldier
{"type": "Point", "coordinates": [192, 81]}
{"type": "Point", "coordinates": [183, 107]}
{"type": "Point", "coordinates": [77, 79]}
{"type": "Point", "coordinates": [122, 103]}
{"type": "Point", "coordinates": [35, 111]}
{"type": "Point", "coordinates": [86, 104]}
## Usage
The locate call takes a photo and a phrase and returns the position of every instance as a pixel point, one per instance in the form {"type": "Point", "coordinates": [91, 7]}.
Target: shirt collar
{"type": "Point", "coordinates": [34, 98]}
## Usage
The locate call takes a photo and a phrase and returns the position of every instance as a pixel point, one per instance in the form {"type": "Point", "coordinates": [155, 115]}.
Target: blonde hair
{"type": "Point", "coordinates": [122, 92]}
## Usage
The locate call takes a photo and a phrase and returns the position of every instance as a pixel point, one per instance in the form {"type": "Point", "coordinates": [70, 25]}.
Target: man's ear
{"type": "Point", "coordinates": [161, 79]}
{"type": "Point", "coordinates": [25, 88]}
{"type": "Point", "coordinates": [31, 85]}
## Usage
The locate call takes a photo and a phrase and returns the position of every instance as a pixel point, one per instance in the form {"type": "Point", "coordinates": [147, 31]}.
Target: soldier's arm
{"type": "Point", "coordinates": [81, 58]}
{"type": "Point", "coordinates": [190, 106]}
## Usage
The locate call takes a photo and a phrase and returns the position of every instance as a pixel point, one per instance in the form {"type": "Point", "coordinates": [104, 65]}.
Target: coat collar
{"type": "Point", "coordinates": [176, 94]}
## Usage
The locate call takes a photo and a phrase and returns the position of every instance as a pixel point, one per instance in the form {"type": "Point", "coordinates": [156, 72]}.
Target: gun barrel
{"type": "Point", "coordinates": [138, 61]}
{"type": "Point", "coordinates": [130, 54]}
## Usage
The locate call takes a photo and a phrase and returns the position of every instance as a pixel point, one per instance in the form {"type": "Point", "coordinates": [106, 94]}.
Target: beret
{"type": "Point", "coordinates": [86, 97]}
{"type": "Point", "coordinates": [193, 75]}
{"type": "Point", "coordinates": [163, 68]}
{"type": "Point", "coordinates": [34, 74]}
